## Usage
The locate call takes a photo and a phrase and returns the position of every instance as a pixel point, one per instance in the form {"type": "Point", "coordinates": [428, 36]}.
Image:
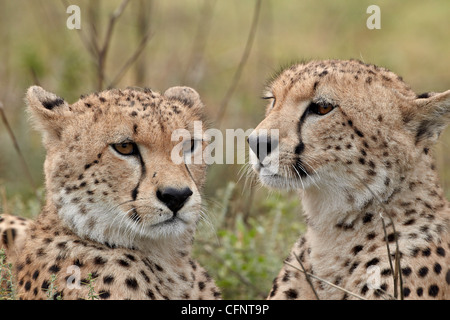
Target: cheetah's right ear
{"type": "Point", "coordinates": [187, 95]}
{"type": "Point", "coordinates": [47, 111]}
{"type": "Point", "coordinates": [433, 115]}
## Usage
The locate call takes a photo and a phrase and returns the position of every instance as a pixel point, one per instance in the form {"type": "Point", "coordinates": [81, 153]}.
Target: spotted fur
{"type": "Point", "coordinates": [365, 162]}
{"type": "Point", "coordinates": [13, 231]}
{"type": "Point", "coordinates": [108, 216]}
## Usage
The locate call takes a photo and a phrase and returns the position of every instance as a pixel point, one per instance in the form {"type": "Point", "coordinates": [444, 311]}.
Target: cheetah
{"type": "Point", "coordinates": [356, 142]}
{"type": "Point", "coordinates": [13, 231]}
{"type": "Point", "coordinates": [120, 215]}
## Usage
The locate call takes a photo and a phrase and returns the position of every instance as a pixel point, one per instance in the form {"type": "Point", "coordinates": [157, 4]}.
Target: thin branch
{"type": "Point", "coordinates": [199, 42]}
{"type": "Point", "coordinates": [307, 277]}
{"type": "Point", "coordinates": [396, 273]}
{"type": "Point", "coordinates": [389, 255]}
{"type": "Point", "coordinates": [131, 60]}
{"type": "Point", "coordinates": [104, 48]}
{"type": "Point", "coordinates": [244, 58]}
{"type": "Point", "coordinates": [91, 46]}
{"type": "Point", "coordinates": [19, 152]}
{"type": "Point", "coordinates": [326, 282]}
{"type": "Point", "coordinates": [143, 23]}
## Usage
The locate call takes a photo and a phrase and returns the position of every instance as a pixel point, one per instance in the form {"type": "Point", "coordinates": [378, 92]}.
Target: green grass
{"type": "Point", "coordinates": [253, 232]}
{"type": "Point", "coordinates": [7, 281]}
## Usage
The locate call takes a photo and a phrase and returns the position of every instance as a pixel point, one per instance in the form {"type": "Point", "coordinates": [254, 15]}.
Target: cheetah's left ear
{"type": "Point", "coordinates": [47, 112]}
{"type": "Point", "coordinates": [187, 95]}
{"type": "Point", "coordinates": [433, 111]}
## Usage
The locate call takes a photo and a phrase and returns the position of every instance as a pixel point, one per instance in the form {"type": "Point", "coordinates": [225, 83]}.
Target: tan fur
{"type": "Point", "coordinates": [13, 232]}
{"type": "Point", "coordinates": [368, 159]}
{"type": "Point", "coordinates": [102, 215]}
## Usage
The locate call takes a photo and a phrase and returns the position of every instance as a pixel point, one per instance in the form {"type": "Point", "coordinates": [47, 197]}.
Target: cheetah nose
{"type": "Point", "coordinates": [173, 198]}
{"type": "Point", "coordinates": [261, 145]}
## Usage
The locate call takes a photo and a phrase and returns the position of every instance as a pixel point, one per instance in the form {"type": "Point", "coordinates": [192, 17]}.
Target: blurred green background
{"type": "Point", "coordinates": [200, 43]}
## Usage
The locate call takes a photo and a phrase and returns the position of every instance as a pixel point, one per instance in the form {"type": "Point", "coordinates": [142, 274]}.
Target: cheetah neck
{"type": "Point", "coordinates": [50, 222]}
{"type": "Point", "coordinates": [416, 195]}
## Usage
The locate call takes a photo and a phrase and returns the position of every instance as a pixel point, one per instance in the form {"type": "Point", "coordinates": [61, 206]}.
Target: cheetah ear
{"type": "Point", "coordinates": [47, 111]}
{"type": "Point", "coordinates": [186, 95]}
{"type": "Point", "coordinates": [434, 115]}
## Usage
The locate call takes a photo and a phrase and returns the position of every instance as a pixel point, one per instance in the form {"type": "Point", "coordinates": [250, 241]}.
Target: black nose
{"type": "Point", "coordinates": [173, 198]}
{"type": "Point", "coordinates": [261, 145]}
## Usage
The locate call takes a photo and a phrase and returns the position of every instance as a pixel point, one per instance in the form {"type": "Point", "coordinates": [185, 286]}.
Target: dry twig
{"type": "Point", "coordinates": [307, 277]}
{"type": "Point", "coordinates": [103, 51]}
{"type": "Point", "coordinates": [244, 58]}
{"type": "Point", "coordinates": [325, 281]}
{"type": "Point", "coordinates": [19, 152]}
{"type": "Point", "coordinates": [396, 272]}
{"type": "Point", "coordinates": [131, 60]}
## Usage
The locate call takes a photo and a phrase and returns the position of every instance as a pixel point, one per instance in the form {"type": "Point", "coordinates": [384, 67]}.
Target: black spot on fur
{"type": "Point", "coordinates": [131, 257]}
{"type": "Point", "coordinates": [315, 85]}
{"type": "Point", "coordinates": [100, 260]}
{"type": "Point", "coordinates": [419, 292]}
{"type": "Point", "coordinates": [371, 236]}
{"type": "Point", "coordinates": [423, 272]}
{"type": "Point", "coordinates": [123, 263]}
{"type": "Point", "coordinates": [8, 234]}
{"type": "Point", "coordinates": [364, 289]}
{"type": "Point", "coordinates": [406, 292]}
{"type": "Point", "coordinates": [437, 268]}
{"type": "Point", "coordinates": [52, 103]}
{"type": "Point", "coordinates": [426, 252]}
{"type": "Point", "coordinates": [372, 262]}
{"type": "Point", "coordinates": [367, 217]}
{"type": "Point", "coordinates": [440, 251]}
{"type": "Point", "coordinates": [54, 269]}
{"type": "Point", "coordinates": [359, 133]}
{"type": "Point", "coordinates": [433, 290]}
{"type": "Point", "coordinates": [150, 294]}
{"type": "Point", "coordinates": [35, 275]}
{"type": "Point", "coordinates": [132, 283]}
{"type": "Point", "coordinates": [27, 286]}
{"type": "Point", "coordinates": [423, 95]}
{"type": "Point", "coordinates": [108, 279]}
{"type": "Point", "coordinates": [291, 294]}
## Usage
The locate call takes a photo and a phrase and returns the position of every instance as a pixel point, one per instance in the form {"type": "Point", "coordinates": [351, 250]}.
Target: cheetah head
{"type": "Point", "coordinates": [342, 128]}
{"type": "Point", "coordinates": [109, 169]}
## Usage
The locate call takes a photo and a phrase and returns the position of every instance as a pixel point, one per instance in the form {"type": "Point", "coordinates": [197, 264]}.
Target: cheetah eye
{"type": "Point", "coordinates": [125, 148]}
{"type": "Point", "coordinates": [320, 109]}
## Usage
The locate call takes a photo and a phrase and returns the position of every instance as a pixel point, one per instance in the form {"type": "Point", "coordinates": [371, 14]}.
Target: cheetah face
{"type": "Point", "coordinates": [344, 126]}
{"type": "Point", "coordinates": [109, 170]}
